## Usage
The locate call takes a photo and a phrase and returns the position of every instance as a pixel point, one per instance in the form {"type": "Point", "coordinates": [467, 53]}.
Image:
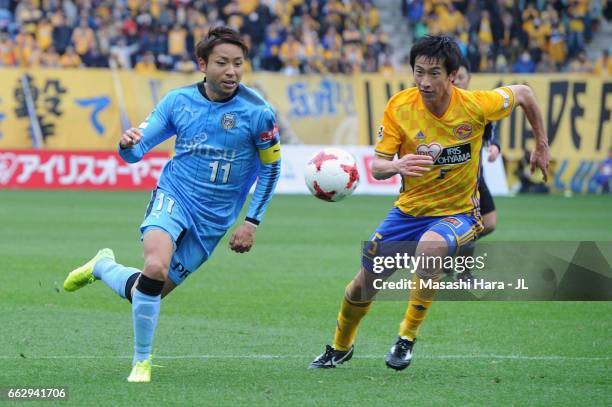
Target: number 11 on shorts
{"type": "Point", "coordinates": [160, 203]}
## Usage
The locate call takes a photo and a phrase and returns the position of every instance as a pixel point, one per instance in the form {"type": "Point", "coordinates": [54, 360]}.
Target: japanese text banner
{"type": "Point", "coordinates": [82, 170]}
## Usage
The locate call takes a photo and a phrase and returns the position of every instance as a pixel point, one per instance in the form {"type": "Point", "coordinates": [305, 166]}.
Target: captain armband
{"type": "Point", "coordinates": [271, 154]}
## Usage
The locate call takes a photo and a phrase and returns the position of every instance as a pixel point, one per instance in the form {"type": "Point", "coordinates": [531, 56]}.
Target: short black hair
{"type": "Point", "coordinates": [437, 47]}
{"type": "Point", "coordinates": [216, 36]}
{"type": "Point", "coordinates": [466, 64]}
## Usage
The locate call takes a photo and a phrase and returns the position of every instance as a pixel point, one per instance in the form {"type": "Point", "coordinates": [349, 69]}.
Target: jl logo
{"type": "Point", "coordinates": [228, 121]}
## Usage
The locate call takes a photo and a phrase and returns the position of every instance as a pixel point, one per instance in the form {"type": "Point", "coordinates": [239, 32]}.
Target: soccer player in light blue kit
{"type": "Point", "coordinates": [226, 138]}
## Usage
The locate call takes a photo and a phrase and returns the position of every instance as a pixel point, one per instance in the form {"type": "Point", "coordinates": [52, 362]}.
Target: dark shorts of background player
{"type": "Point", "coordinates": [486, 199]}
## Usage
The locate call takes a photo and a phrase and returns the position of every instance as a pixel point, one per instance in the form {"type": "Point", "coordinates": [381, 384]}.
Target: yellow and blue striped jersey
{"type": "Point", "coordinates": [453, 141]}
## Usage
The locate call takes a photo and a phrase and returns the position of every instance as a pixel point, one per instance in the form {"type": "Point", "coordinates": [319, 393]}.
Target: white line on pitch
{"type": "Point", "coordinates": [264, 356]}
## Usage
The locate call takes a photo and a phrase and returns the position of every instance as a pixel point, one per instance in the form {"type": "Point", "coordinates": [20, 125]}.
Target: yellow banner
{"type": "Point", "coordinates": [311, 109]}
{"type": "Point", "coordinates": [88, 109]}
{"type": "Point", "coordinates": [78, 109]}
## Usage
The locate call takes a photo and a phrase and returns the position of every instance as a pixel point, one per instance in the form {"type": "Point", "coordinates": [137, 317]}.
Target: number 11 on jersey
{"type": "Point", "coordinates": [225, 168]}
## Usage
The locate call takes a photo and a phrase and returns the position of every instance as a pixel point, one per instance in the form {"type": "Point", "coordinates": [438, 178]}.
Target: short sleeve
{"type": "Point", "coordinates": [495, 104]}
{"type": "Point", "coordinates": [389, 137]}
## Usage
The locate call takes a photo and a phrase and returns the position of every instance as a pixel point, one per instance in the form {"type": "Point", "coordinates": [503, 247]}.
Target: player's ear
{"type": "Point", "coordinates": [453, 75]}
{"type": "Point", "coordinates": [202, 64]}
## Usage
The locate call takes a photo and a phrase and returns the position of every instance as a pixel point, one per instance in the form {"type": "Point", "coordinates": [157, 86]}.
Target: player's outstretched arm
{"type": "Point", "coordinates": [540, 156]}
{"type": "Point", "coordinates": [410, 165]}
{"type": "Point", "coordinates": [156, 128]}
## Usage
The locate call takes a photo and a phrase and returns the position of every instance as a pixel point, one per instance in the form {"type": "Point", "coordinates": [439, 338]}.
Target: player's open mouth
{"type": "Point", "coordinates": [229, 84]}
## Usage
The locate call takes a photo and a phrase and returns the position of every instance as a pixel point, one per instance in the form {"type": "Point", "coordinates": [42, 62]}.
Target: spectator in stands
{"type": "Point", "coordinates": [371, 18]}
{"type": "Point", "coordinates": [62, 33]}
{"type": "Point", "coordinates": [387, 65]}
{"type": "Point", "coordinates": [146, 63]}
{"type": "Point", "coordinates": [185, 64]}
{"type": "Point", "coordinates": [352, 59]}
{"type": "Point", "coordinates": [177, 41]}
{"type": "Point", "coordinates": [95, 59]}
{"type": "Point", "coordinates": [7, 54]}
{"type": "Point", "coordinates": [413, 9]}
{"type": "Point", "coordinates": [604, 173]}
{"type": "Point", "coordinates": [70, 59]}
{"type": "Point", "coordinates": [83, 38]}
{"type": "Point", "coordinates": [50, 58]}
{"type": "Point", "coordinates": [525, 64]}
{"type": "Point", "coordinates": [6, 20]}
{"type": "Point", "coordinates": [27, 16]}
{"type": "Point", "coordinates": [370, 62]}
{"type": "Point", "coordinates": [271, 47]}
{"type": "Point", "coordinates": [581, 64]}
{"type": "Point", "coordinates": [334, 34]}
{"type": "Point", "coordinates": [121, 53]}
{"type": "Point", "coordinates": [44, 33]}
{"type": "Point", "coordinates": [557, 48]}
{"type": "Point", "coordinates": [291, 55]}
{"type": "Point", "coordinates": [546, 64]}
{"type": "Point", "coordinates": [485, 34]}
{"type": "Point", "coordinates": [603, 66]}
{"type": "Point", "coordinates": [24, 44]}
{"type": "Point", "coordinates": [576, 30]}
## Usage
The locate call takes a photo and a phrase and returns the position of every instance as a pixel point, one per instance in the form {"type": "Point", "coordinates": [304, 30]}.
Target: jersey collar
{"type": "Point", "coordinates": [202, 90]}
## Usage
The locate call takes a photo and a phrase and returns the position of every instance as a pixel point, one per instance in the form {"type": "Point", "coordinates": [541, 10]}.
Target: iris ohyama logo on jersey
{"type": "Point", "coordinates": [458, 154]}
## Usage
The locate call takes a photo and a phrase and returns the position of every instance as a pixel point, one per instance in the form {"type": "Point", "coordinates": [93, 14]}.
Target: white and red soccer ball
{"type": "Point", "coordinates": [331, 174]}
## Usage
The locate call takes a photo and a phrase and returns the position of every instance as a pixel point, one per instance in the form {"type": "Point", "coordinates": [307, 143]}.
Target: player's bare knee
{"type": "Point", "coordinates": [432, 248]}
{"type": "Point", "coordinates": [155, 268]}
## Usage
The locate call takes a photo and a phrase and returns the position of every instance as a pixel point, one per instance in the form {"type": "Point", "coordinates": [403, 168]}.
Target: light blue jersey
{"type": "Point", "coordinates": [222, 147]}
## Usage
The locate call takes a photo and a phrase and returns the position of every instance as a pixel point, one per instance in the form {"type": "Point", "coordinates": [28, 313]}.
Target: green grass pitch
{"type": "Point", "coordinates": [243, 329]}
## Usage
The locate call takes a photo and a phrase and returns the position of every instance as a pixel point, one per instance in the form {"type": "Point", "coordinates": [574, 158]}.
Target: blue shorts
{"type": "Point", "coordinates": [406, 231]}
{"type": "Point", "coordinates": [194, 241]}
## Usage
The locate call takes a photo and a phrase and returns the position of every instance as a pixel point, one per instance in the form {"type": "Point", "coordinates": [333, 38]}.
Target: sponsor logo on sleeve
{"type": "Point", "coordinates": [270, 134]}
{"type": "Point", "coordinates": [505, 96]}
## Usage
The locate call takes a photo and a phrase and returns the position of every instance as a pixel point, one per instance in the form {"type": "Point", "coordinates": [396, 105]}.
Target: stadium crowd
{"type": "Point", "coordinates": [296, 36]}
{"type": "Point", "coordinates": [524, 36]}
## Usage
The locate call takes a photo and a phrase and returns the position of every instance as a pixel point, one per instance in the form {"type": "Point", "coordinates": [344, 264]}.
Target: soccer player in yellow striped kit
{"type": "Point", "coordinates": [431, 135]}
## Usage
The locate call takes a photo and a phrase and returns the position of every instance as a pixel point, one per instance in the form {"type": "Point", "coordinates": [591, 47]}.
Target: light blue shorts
{"type": "Point", "coordinates": [194, 242]}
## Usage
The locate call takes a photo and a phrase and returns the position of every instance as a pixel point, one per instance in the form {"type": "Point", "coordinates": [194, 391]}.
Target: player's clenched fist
{"type": "Point", "coordinates": [243, 238]}
{"type": "Point", "coordinates": [413, 165]}
{"type": "Point", "coordinates": [130, 138]}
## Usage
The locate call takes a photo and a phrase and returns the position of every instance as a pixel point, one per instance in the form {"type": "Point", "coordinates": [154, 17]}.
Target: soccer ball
{"type": "Point", "coordinates": [331, 174]}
